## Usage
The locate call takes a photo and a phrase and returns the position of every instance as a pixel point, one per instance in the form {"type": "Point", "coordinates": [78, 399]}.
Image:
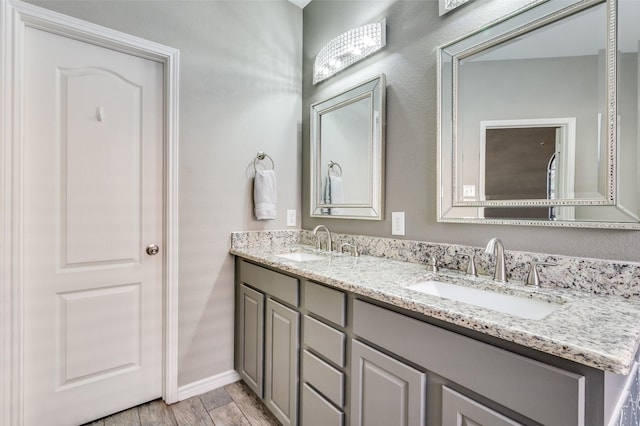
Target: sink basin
{"type": "Point", "coordinates": [300, 256]}
{"type": "Point", "coordinates": [514, 305]}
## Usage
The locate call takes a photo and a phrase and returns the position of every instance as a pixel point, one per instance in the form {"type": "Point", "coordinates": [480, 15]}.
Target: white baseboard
{"type": "Point", "coordinates": [208, 384]}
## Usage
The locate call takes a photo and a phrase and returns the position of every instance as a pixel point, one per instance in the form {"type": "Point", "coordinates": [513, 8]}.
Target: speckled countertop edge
{"type": "Point", "coordinates": [599, 331]}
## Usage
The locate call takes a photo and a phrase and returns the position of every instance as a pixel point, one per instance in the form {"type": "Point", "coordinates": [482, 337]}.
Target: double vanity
{"type": "Point", "coordinates": [534, 129]}
{"type": "Point", "coordinates": [328, 338]}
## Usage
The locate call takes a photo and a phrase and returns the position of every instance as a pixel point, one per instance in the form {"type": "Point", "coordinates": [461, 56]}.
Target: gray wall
{"type": "Point", "coordinates": [240, 93]}
{"type": "Point", "coordinates": [414, 31]}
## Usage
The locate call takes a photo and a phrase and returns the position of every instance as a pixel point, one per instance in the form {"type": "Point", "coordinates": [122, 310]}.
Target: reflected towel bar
{"type": "Point", "coordinates": [333, 164]}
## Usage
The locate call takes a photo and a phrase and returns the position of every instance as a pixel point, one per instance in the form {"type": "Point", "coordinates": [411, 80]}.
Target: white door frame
{"type": "Point", "coordinates": [15, 16]}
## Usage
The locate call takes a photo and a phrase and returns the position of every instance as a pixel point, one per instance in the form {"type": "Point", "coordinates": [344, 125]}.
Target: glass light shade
{"type": "Point", "coordinates": [447, 6]}
{"type": "Point", "coordinates": [348, 48]}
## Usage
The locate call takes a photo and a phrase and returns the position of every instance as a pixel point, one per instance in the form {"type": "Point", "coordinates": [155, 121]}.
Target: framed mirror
{"type": "Point", "coordinates": [538, 118]}
{"type": "Point", "coordinates": [347, 153]}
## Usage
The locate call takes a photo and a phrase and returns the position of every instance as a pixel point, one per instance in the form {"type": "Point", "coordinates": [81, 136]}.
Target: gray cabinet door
{"type": "Point", "coordinates": [251, 337]}
{"type": "Point", "coordinates": [317, 411]}
{"type": "Point", "coordinates": [458, 410]}
{"type": "Point", "coordinates": [384, 391]}
{"type": "Point", "coordinates": [281, 357]}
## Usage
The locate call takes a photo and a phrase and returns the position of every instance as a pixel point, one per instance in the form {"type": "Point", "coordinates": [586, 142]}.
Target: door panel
{"type": "Point", "coordinates": [385, 391]}
{"type": "Point", "coordinates": [282, 343]}
{"type": "Point", "coordinates": [93, 202]}
{"type": "Point", "coordinates": [458, 410]}
{"type": "Point", "coordinates": [88, 310]}
{"type": "Point", "coordinates": [251, 330]}
{"type": "Point", "coordinates": [100, 135]}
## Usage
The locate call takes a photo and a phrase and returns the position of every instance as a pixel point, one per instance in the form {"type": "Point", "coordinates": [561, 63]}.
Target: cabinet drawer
{"type": "Point", "coordinates": [545, 393]}
{"type": "Point", "coordinates": [280, 286]}
{"type": "Point", "coordinates": [323, 377]}
{"type": "Point", "coordinates": [458, 409]}
{"type": "Point", "coordinates": [317, 411]}
{"type": "Point", "coordinates": [325, 302]}
{"type": "Point", "coordinates": [325, 340]}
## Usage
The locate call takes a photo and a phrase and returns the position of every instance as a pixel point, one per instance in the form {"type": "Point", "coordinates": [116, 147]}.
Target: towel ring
{"type": "Point", "coordinates": [261, 156]}
{"type": "Point", "coordinates": [333, 164]}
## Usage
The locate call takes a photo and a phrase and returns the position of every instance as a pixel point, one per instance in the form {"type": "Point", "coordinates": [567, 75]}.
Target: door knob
{"type": "Point", "coordinates": [152, 249]}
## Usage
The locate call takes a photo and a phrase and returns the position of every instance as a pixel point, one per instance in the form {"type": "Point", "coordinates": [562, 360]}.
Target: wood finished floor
{"type": "Point", "coordinates": [232, 405]}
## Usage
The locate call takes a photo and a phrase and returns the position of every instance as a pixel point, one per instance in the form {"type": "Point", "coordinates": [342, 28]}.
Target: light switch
{"type": "Point", "coordinates": [397, 223]}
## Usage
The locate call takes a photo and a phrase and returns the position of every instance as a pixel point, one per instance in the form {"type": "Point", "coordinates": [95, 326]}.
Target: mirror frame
{"type": "Point", "coordinates": [448, 150]}
{"type": "Point", "coordinates": [375, 90]}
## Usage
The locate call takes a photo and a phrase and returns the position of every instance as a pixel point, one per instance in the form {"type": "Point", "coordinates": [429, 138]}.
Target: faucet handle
{"type": "Point", "coordinates": [354, 249]}
{"type": "Point", "coordinates": [532, 277]}
{"type": "Point", "coordinates": [433, 264]}
{"type": "Point", "coordinates": [471, 266]}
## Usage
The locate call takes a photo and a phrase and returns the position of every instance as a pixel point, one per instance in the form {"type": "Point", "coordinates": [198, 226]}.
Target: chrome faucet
{"type": "Point", "coordinates": [494, 246]}
{"type": "Point", "coordinates": [322, 228]}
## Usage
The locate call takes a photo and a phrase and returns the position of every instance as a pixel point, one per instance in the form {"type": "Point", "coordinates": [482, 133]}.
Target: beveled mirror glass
{"type": "Point", "coordinates": [534, 126]}
{"type": "Point", "coordinates": [347, 153]}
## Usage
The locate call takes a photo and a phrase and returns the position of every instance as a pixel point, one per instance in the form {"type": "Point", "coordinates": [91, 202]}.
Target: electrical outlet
{"type": "Point", "coordinates": [397, 223]}
{"type": "Point", "coordinates": [291, 218]}
{"type": "Point", "coordinates": [468, 190]}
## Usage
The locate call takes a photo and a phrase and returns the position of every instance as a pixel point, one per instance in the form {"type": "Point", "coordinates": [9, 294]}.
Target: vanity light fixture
{"type": "Point", "coordinates": [349, 48]}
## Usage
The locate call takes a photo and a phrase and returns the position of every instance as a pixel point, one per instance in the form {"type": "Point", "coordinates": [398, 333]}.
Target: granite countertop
{"type": "Point", "coordinates": [594, 330]}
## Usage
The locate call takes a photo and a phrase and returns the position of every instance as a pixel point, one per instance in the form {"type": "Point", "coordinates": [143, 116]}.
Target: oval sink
{"type": "Point", "coordinates": [300, 256]}
{"type": "Point", "coordinates": [519, 306]}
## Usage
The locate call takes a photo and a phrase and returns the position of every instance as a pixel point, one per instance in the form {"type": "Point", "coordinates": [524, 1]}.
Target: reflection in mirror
{"type": "Point", "coordinates": [542, 74]}
{"type": "Point", "coordinates": [347, 153]}
{"type": "Point", "coordinates": [526, 159]}
{"type": "Point", "coordinates": [628, 103]}
{"type": "Point", "coordinates": [528, 128]}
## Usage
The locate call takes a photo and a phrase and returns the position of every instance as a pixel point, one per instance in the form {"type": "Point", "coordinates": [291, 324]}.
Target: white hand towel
{"type": "Point", "coordinates": [327, 195]}
{"type": "Point", "coordinates": [337, 193]}
{"type": "Point", "coordinates": [265, 194]}
{"type": "Point", "coordinates": [327, 190]}
{"type": "Point", "coordinates": [337, 190]}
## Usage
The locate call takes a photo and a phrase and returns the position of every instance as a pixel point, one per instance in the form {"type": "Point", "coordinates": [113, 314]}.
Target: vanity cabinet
{"type": "Point", "coordinates": [268, 338]}
{"type": "Point", "coordinates": [385, 391]}
{"type": "Point", "coordinates": [524, 388]}
{"type": "Point", "coordinates": [320, 356]}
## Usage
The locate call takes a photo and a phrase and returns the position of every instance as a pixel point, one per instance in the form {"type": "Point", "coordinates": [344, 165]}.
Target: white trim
{"type": "Point", "coordinates": [15, 15]}
{"type": "Point", "coordinates": [208, 384]}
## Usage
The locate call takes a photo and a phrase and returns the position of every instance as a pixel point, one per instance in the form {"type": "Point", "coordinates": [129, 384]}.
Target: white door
{"type": "Point", "coordinates": [93, 203]}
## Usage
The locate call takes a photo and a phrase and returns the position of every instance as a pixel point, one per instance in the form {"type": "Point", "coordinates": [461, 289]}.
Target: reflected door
{"type": "Point", "coordinates": [517, 168]}
{"type": "Point", "coordinates": [92, 204]}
